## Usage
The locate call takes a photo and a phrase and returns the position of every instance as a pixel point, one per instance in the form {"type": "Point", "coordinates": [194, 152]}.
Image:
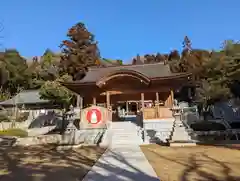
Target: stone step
{"type": "Point", "coordinates": [126, 143]}
{"type": "Point", "coordinates": [124, 133]}
{"type": "Point", "coordinates": [124, 126]}
{"type": "Point", "coordinates": [124, 137]}
{"type": "Point", "coordinates": [181, 144]}
{"type": "Point", "coordinates": [121, 125]}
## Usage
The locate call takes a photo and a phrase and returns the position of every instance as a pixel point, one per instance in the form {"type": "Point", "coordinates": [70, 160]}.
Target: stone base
{"type": "Point", "coordinates": [181, 144]}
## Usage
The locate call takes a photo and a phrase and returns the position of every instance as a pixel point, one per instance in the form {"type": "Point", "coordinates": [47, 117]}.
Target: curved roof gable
{"type": "Point", "coordinates": [123, 72]}
{"type": "Point", "coordinates": [157, 70]}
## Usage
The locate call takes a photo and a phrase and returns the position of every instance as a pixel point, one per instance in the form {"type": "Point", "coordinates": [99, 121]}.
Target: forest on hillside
{"type": "Point", "coordinates": [216, 73]}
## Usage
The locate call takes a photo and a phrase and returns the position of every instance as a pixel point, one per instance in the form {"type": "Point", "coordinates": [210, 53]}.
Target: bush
{"type": "Point", "coordinates": [14, 132]}
{"type": "Point", "coordinates": [235, 125]}
{"type": "Point", "coordinates": [207, 126]}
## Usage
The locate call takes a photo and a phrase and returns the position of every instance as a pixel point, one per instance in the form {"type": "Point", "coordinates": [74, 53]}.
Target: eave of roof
{"type": "Point", "coordinates": [25, 97]}
{"type": "Point", "coordinates": [173, 76]}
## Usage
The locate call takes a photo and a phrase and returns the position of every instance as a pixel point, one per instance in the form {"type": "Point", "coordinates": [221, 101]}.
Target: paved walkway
{"type": "Point", "coordinates": [125, 163]}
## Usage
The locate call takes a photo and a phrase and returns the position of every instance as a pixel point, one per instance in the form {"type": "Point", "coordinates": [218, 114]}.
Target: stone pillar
{"type": "Point", "coordinates": [127, 107]}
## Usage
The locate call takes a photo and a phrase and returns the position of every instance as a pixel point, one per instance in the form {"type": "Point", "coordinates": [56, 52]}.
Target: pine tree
{"type": "Point", "coordinates": [79, 52]}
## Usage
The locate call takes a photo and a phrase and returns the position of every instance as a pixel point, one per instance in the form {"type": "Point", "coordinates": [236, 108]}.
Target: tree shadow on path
{"type": "Point", "coordinates": [49, 164]}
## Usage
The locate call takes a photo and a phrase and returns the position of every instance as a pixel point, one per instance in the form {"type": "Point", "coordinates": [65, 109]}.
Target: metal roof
{"type": "Point", "coordinates": [25, 97]}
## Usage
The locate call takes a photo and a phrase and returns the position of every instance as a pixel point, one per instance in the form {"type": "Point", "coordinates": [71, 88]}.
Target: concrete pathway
{"type": "Point", "coordinates": [122, 163]}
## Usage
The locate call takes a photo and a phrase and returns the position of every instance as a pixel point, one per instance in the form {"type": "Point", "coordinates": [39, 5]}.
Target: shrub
{"type": "Point", "coordinates": [207, 126]}
{"type": "Point", "coordinates": [14, 132]}
{"type": "Point", "coordinates": [235, 125]}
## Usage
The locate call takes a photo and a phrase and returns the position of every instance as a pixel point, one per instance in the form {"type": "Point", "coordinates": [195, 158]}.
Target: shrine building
{"type": "Point", "coordinates": [147, 88]}
{"type": "Point", "coordinates": [135, 97]}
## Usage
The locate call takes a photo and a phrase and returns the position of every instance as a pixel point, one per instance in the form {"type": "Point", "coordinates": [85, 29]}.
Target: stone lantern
{"type": "Point", "coordinates": [70, 133]}
{"type": "Point", "coordinates": [180, 136]}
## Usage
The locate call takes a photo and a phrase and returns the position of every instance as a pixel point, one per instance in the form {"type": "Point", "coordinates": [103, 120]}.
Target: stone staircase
{"type": "Point", "coordinates": [124, 133]}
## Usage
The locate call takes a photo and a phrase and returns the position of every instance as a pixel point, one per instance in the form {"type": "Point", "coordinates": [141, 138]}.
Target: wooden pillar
{"type": "Point", "coordinates": [142, 100]}
{"type": "Point", "coordinates": [108, 99]}
{"type": "Point", "coordinates": [189, 93]}
{"type": "Point", "coordinates": [166, 102]}
{"type": "Point", "coordinates": [169, 101]}
{"type": "Point", "coordinates": [172, 98]}
{"type": "Point", "coordinates": [157, 105]}
{"type": "Point", "coordinates": [109, 106]}
{"type": "Point", "coordinates": [94, 101]}
{"type": "Point", "coordinates": [157, 97]}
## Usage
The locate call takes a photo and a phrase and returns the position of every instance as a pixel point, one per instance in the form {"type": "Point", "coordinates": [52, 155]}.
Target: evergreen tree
{"type": "Point", "coordinates": [79, 52]}
{"type": "Point", "coordinates": [13, 67]}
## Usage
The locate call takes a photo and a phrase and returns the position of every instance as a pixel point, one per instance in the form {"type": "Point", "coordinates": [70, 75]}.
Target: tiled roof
{"type": "Point", "coordinates": [25, 97]}
{"type": "Point", "coordinates": [157, 70]}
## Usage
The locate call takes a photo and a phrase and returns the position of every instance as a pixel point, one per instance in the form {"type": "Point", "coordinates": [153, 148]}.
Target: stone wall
{"type": "Point", "coordinates": [39, 140]}
{"type": "Point", "coordinates": [8, 125]}
{"type": "Point", "coordinates": [91, 136]}
{"type": "Point", "coordinates": [156, 130]}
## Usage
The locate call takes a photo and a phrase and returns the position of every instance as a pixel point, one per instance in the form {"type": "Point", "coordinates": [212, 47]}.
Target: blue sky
{"type": "Point", "coordinates": [123, 28]}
